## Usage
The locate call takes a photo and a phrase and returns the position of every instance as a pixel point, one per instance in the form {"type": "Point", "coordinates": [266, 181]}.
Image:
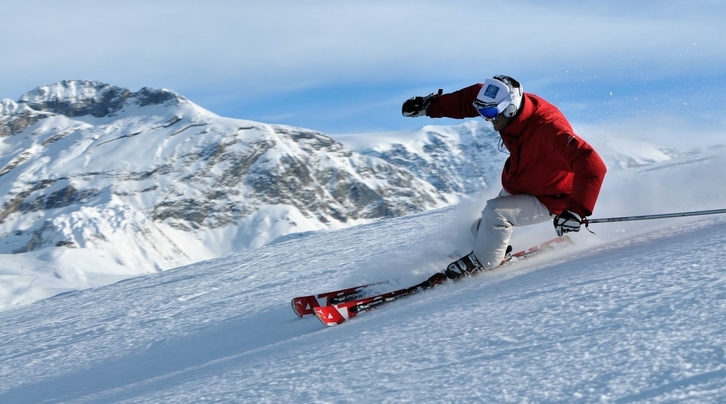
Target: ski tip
{"type": "Point", "coordinates": [294, 308]}
{"type": "Point", "coordinates": [329, 315]}
{"type": "Point", "coordinates": [303, 306]}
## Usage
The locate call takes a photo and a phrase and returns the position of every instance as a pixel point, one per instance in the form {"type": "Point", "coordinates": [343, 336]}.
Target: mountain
{"type": "Point", "coordinates": [152, 181]}
{"type": "Point", "coordinates": [631, 314]}
{"type": "Point", "coordinates": [459, 159]}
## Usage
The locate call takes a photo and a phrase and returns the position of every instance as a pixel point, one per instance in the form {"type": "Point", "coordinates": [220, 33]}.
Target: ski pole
{"type": "Point", "coordinates": [648, 217]}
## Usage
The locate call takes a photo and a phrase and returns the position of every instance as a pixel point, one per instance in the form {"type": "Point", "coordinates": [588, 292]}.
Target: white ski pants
{"type": "Point", "coordinates": [493, 231]}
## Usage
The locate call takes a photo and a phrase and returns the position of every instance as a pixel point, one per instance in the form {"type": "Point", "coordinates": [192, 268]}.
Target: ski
{"type": "Point", "coordinates": [336, 313]}
{"type": "Point", "coordinates": [304, 305]}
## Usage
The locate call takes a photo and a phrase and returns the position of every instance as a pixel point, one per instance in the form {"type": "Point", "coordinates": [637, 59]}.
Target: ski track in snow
{"type": "Point", "coordinates": [639, 319]}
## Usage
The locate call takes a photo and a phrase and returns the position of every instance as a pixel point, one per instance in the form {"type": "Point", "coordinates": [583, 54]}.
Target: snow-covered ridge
{"type": "Point", "coordinates": [460, 159]}
{"type": "Point", "coordinates": [83, 97]}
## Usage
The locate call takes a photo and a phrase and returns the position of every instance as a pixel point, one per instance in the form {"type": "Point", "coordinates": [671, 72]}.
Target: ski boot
{"type": "Point", "coordinates": [464, 266]}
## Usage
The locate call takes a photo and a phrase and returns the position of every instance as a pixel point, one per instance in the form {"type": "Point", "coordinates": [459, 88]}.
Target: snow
{"type": "Point", "coordinates": [412, 139]}
{"type": "Point", "coordinates": [39, 274]}
{"type": "Point", "coordinates": [633, 313]}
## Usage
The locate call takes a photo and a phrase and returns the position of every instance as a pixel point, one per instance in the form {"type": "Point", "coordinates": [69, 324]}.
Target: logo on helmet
{"type": "Point", "coordinates": [491, 91]}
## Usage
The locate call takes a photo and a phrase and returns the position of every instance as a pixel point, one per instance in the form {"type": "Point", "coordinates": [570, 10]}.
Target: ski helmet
{"type": "Point", "coordinates": [499, 95]}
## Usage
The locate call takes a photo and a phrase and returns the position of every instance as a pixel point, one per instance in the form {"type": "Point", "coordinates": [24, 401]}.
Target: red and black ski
{"type": "Point", "coordinates": [334, 313]}
{"type": "Point", "coordinates": [304, 305]}
{"type": "Point", "coordinates": [338, 313]}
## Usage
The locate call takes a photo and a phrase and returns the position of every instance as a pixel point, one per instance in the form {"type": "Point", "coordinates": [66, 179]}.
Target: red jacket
{"type": "Point", "coordinates": [547, 159]}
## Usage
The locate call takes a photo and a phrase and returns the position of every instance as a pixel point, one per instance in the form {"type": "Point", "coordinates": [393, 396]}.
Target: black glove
{"type": "Point", "coordinates": [566, 222]}
{"type": "Point", "coordinates": [416, 106]}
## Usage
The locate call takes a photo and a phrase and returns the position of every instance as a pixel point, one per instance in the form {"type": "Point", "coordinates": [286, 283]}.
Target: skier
{"type": "Point", "coordinates": [550, 172]}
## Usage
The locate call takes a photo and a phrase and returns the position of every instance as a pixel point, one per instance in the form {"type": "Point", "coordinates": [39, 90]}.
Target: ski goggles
{"type": "Point", "coordinates": [489, 110]}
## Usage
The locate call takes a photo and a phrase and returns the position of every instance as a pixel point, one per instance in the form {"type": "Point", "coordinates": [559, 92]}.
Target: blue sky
{"type": "Point", "coordinates": [346, 67]}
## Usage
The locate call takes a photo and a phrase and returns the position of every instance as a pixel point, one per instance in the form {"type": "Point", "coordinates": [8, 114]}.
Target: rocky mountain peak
{"type": "Point", "coordinates": [74, 98]}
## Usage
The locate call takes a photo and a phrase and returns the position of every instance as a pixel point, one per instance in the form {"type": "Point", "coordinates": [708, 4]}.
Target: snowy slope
{"type": "Point", "coordinates": [634, 313]}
